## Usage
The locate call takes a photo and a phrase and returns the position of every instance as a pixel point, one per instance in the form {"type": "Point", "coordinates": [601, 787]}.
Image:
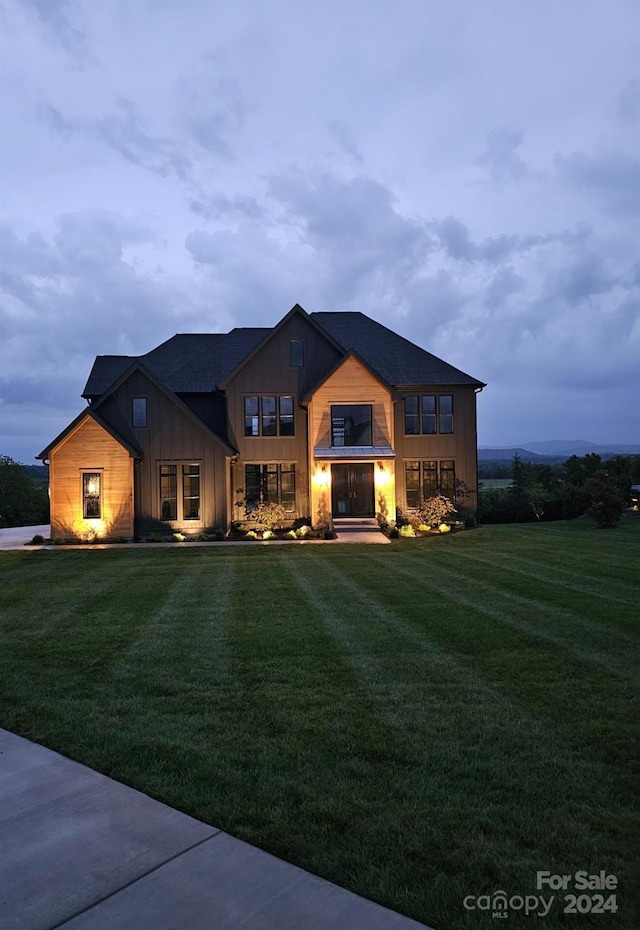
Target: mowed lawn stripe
{"type": "Point", "coordinates": [459, 731]}
{"type": "Point", "coordinates": [490, 591]}
{"type": "Point", "coordinates": [550, 681]}
{"type": "Point", "coordinates": [554, 576]}
{"type": "Point", "coordinates": [314, 758]}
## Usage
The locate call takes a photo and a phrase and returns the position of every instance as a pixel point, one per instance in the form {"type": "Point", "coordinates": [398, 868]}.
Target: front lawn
{"type": "Point", "coordinates": [418, 722]}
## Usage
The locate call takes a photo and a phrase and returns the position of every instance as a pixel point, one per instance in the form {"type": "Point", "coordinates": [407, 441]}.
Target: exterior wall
{"type": "Point", "coordinates": [269, 373]}
{"type": "Point", "coordinates": [91, 448]}
{"type": "Point", "coordinates": [171, 437]}
{"type": "Point", "coordinates": [460, 446]}
{"type": "Point", "coordinates": [351, 383]}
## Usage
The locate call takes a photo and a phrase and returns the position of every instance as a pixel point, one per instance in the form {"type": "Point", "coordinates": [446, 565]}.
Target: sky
{"type": "Point", "coordinates": [467, 173]}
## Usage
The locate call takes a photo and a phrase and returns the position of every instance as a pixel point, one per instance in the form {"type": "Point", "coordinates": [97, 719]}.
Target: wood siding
{"type": "Point", "coordinates": [91, 448]}
{"type": "Point", "coordinates": [171, 437]}
{"type": "Point", "coordinates": [269, 373]}
{"type": "Point", "coordinates": [351, 383]}
{"type": "Point", "coordinates": [460, 446]}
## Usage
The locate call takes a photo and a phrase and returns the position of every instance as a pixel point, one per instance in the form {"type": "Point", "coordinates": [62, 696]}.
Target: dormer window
{"type": "Point", "coordinates": [296, 353]}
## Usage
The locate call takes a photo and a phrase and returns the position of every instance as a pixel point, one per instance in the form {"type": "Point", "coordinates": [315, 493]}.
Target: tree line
{"type": "Point", "coordinates": [24, 501]}
{"type": "Point", "coordinates": [580, 485]}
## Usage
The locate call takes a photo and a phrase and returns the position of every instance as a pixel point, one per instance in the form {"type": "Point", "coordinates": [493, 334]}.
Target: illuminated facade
{"type": "Point", "coordinates": [328, 414]}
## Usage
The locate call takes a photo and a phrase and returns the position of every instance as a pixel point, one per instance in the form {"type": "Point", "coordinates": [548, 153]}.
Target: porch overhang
{"type": "Point", "coordinates": [329, 453]}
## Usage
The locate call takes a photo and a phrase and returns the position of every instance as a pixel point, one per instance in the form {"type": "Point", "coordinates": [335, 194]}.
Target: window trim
{"type": "Point", "coordinates": [422, 471]}
{"type": "Point", "coordinates": [180, 497]}
{"type": "Point", "coordinates": [297, 343]}
{"type": "Point", "coordinates": [135, 425]}
{"type": "Point", "coordinates": [286, 468]}
{"type": "Point", "coordinates": [85, 476]}
{"type": "Point", "coordinates": [335, 445]}
{"type": "Point", "coordinates": [259, 417]}
{"type": "Point", "coordinates": [439, 417]}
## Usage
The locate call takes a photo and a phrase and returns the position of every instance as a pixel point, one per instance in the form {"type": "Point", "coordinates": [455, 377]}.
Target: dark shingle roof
{"type": "Point", "coordinates": [188, 362]}
{"type": "Point", "coordinates": [198, 363]}
{"type": "Point", "coordinates": [396, 359]}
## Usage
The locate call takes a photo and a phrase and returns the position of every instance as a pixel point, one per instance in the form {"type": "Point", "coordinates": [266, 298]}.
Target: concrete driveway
{"type": "Point", "coordinates": [16, 536]}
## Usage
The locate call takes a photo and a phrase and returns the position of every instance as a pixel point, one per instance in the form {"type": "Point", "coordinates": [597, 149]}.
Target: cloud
{"type": "Point", "coordinates": [60, 20]}
{"type": "Point", "coordinates": [501, 158]}
{"type": "Point", "coordinates": [612, 176]}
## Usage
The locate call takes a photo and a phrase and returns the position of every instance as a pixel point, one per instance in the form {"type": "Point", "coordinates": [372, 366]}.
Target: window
{"type": "Point", "coordinates": [189, 496]}
{"type": "Point", "coordinates": [269, 416]}
{"type": "Point", "coordinates": [168, 492]}
{"type": "Point", "coordinates": [421, 480]}
{"type": "Point", "coordinates": [448, 479]}
{"type": "Point", "coordinates": [351, 425]}
{"type": "Point", "coordinates": [296, 353]}
{"type": "Point", "coordinates": [91, 495]}
{"type": "Point", "coordinates": [139, 412]}
{"type": "Point", "coordinates": [428, 414]}
{"type": "Point", "coordinates": [271, 483]}
{"type": "Point", "coordinates": [190, 492]}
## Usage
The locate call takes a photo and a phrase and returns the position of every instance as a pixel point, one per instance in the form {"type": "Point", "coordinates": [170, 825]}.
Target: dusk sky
{"type": "Point", "coordinates": [467, 173]}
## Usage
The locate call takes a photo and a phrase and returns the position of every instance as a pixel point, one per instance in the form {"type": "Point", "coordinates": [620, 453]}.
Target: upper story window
{"type": "Point", "coordinates": [296, 353]}
{"type": "Point", "coordinates": [351, 425]}
{"type": "Point", "coordinates": [139, 412]}
{"type": "Point", "coordinates": [428, 414]}
{"type": "Point", "coordinates": [91, 495]}
{"type": "Point", "coordinates": [269, 415]}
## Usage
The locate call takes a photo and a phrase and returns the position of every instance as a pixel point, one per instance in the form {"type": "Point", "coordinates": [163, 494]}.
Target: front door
{"type": "Point", "coordinates": [352, 490]}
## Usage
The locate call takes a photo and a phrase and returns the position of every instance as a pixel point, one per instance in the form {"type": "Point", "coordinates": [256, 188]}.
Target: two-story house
{"type": "Point", "coordinates": [328, 414]}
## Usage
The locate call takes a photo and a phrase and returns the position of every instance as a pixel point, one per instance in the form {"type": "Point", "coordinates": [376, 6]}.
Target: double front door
{"type": "Point", "coordinates": [352, 490]}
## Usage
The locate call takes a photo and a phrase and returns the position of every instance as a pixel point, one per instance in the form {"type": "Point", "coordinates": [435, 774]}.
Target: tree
{"type": "Point", "coordinates": [606, 502]}
{"type": "Point", "coordinates": [22, 501]}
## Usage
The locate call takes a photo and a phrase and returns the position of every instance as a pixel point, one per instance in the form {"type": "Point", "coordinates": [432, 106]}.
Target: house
{"type": "Point", "coordinates": [328, 414]}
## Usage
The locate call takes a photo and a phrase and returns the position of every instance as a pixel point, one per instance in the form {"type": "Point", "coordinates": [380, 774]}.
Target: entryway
{"type": "Point", "coordinates": [352, 490]}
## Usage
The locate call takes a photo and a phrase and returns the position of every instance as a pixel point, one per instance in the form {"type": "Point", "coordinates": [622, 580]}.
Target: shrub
{"type": "Point", "coordinates": [37, 540]}
{"type": "Point", "coordinates": [216, 534]}
{"type": "Point", "coordinates": [444, 528]}
{"type": "Point", "coordinates": [407, 530]}
{"type": "Point", "coordinates": [394, 532]}
{"type": "Point", "coordinates": [268, 534]}
{"type": "Point", "coordinates": [291, 534]}
{"type": "Point", "coordinates": [268, 516]}
{"type": "Point", "coordinates": [328, 534]}
{"type": "Point", "coordinates": [251, 535]}
{"type": "Point", "coordinates": [303, 531]}
{"type": "Point", "coordinates": [178, 537]}
{"type": "Point", "coordinates": [156, 537]}
{"type": "Point", "coordinates": [120, 539]}
{"type": "Point", "coordinates": [470, 523]}
{"type": "Point", "coordinates": [435, 510]}
{"type": "Point", "coordinates": [424, 528]}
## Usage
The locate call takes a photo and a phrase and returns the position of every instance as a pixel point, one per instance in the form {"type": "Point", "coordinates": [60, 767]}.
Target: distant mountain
{"type": "Point", "coordinates": [568, 447]}
{"type": "Point", "coordinates": [507, 453]}
{"type": "Point", "coordinates": [554, 450]}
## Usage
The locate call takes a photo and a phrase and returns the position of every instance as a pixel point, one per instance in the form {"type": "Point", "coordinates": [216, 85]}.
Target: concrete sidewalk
{"type": "Point", "coordinates": [80, 851]}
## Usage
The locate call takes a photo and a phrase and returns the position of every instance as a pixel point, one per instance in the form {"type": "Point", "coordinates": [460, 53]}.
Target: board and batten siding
{"type": "Point", "coordinates": [89, 447]}
{"type": "Point", "coordinates": [170, 437]}
{"type": "Point", "coordinates": [460, 446]}
{"type": "Point", "coordinates": [269, 373]}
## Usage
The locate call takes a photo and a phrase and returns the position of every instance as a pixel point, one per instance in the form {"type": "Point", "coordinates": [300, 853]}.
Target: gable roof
{"type": "Point", "coordinates": [204, 362]}
{"type": "Point", "coordinates": [137, 365]}
{"type": "Point", "coordinates": [393, 357]}
{"type": "Point", "coordinates": [89, 413]}
{"type": "Point", "coordinates": [296, 310]}
{"type": "Point", "coordinates": [341, 361]}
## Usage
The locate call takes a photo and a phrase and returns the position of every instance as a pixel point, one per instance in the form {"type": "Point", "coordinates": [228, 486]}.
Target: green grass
{"type": "Point", "coordinates": [417, 722]}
